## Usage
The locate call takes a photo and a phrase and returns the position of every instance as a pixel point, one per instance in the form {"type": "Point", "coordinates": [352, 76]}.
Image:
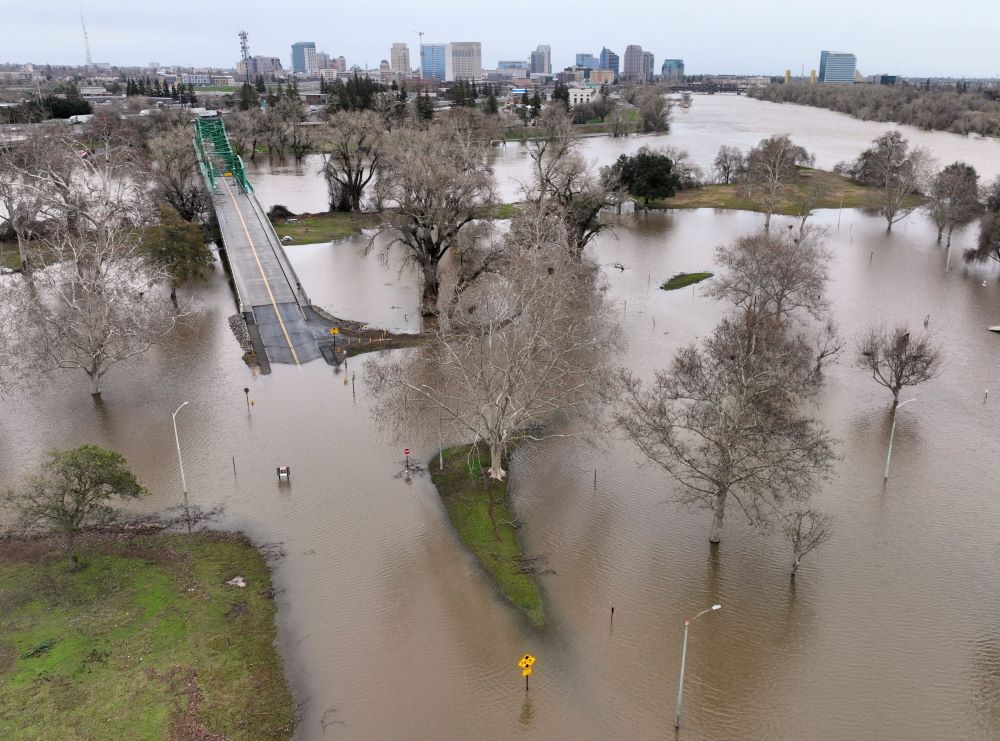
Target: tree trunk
{"type": "Point", "coordinates": [767, 222]}
{"type": "Point", "coordinates": [718, 515]}
{"type": "Point", "coordinates": [795, 565]}
{"type": "Point", "coordinates": [429, 296]}
{"type": "Point", "coordinates": [940, 232]}
{"type": "Point", "coordinates": [496, 462]}
{"type": "Point", "coordinates": [22, 250]}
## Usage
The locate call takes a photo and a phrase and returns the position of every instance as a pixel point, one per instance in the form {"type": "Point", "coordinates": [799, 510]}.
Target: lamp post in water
{"type": "Point", "coordinates": [180, 461]}
{"type": "Point", "coordinates": [892, 434]}
{"type": "Point", "coordinates": [680, 686]}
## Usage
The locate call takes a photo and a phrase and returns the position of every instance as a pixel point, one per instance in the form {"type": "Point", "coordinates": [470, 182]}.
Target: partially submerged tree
{"type": "Point", "coordinates": [437, 184]}
{"type": "Point", "coordinates": [773, 273]}
{"type": "Point", "coordinates": [646, 174]}
{"type": "Point", "coordinates": [896, 359]}
{"type": "Point", "coordinates": [806, 529]}
{"type": "Point", "coordinates": [988, 245]}
{"type": "Point", "coordinates": [563, 184]}
{"type": "Point", "coordinates": [771, 166]}
{"type": "Point", "coordinates": [72, 491]}
{"type": "Point", "coordinates": [528, 343]}
{"type": "Point", "coordinates": [178, 246]}
{"type": "Point", "coordinates": [654, 109]}
{"type": "Point", "coordinates": [897, 172]}
{"type": "Point", "coordinates": [177, 176]}
{"type": "Point", "coordinates": [953, 200]}
{"type": "Point", "coordinates": [725, 421]}
{"type": "Point", "coordinates": [356, 142]}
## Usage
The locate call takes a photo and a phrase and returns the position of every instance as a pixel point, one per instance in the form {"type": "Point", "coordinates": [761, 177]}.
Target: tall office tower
{"type": "Point", "coordinates": [399, 58]}
{"type": "Point", "coordinates": [323, 60]}
{"type": "Point", "coordinates": [672, 70]}
{"type": "Point", "coordinates": [463, 61]}
{"type": "Point", "coordinates": [609, 60]}
{"type": "Point", "coordinates": [303, 52]}
{"type": "Point", "coordinates": [340, 64]}
{"type": "Point", "coordinates": [837, 66]}
{"type": "Point", "coordinates": [589, 61]}
{"type": "Point", "coordinates": [541, 60]}
{"type": "Point", "coordinates": [634, 67]}
{"type": "Point", "coordinates": [648, 66]}
{"type": "Point", "coordinates": [432, 61]}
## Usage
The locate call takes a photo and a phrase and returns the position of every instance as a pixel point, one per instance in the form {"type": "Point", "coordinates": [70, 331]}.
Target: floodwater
{"type": "Point", "coordinates": [711, 121]}
{"type": "Point", "coordinates": [390, 631]}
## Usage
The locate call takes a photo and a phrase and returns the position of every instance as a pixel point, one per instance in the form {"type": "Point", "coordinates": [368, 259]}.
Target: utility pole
{"type": "Point", "coordinates": [684, 650]}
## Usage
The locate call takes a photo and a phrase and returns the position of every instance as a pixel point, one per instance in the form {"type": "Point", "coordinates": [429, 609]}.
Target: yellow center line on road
{"type": "Point", "coordinates": [267, 284]}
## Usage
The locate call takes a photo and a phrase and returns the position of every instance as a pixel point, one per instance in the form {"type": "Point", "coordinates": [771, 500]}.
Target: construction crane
{"type": "Point", "coordinates": [420, 51]}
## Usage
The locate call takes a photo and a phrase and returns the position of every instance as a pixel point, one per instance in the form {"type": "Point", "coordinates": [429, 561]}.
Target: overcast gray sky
{"type": "Point", "coordinates": [920, 37]}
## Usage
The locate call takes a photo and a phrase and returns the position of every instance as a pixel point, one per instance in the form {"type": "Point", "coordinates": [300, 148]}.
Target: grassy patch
{"type": "Point", "coordinates": [840, 192]}
{"type": "Point", "coordinates": [467, 494]}
{"type": "Point", "coordinates": [146, 642]}
{"type": "Point", "coordinates": [311, 228]}
{"type": "Point", "coordinates": [682, 280]}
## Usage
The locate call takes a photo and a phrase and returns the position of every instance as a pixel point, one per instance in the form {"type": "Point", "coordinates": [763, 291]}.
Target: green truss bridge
{"type": "Point", "coordinates": [282, 324]}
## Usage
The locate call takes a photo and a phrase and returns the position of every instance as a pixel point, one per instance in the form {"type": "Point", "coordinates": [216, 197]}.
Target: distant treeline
{"type": "Point", "coordinates": [962, 110]}
{"type": "Point", "coordinates": [48, 107]}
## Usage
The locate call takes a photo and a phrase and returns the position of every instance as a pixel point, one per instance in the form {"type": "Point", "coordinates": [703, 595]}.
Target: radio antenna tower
{"type": "Point", "coordinates": [86, 41]}
{"type": "Point", "coordinates": [245, 51]}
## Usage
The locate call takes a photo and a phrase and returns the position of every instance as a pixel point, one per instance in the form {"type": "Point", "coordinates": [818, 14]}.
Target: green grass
{"type": "Point", "coordinates": [326, 227]}
{"type": "Point", "coordinates": [145, 642]}
{"type": "Point", "coordinates": [466, 493]}
{"type": "Point", "coordinates": [682, 280]}
{"type": "Point", "coordinates": [840, 192]}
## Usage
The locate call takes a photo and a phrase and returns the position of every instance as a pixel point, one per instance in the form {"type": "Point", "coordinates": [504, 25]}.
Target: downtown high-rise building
{"type": "Point", "coordinates": [541, 60]}
{"type": "Point", "coordinates": [672, 70]}
{"type": "Point", "coordinates": [648, 66]}
{"type": "Point", "coordinates": [399, 58]}
{"type": "Point", "coordinates": [609, 60]}
{"type": "Point", "coordinates": [304, 58]}
{"type": "Point", "coordinates": [587, 61]}
{"type": "Point", "coordinates": [463, 60]}
{"type": "Point", "coordinates": [432, 61]}
{"type": "Point", "coordinates": [634, 64]}
{"type": "Point", "coordinates": [837, 66]}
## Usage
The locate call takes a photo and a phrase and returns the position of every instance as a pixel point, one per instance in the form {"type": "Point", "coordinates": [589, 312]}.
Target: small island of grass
{"type": "Point", "coordinates": [682, 280]}
{"type": "Point", "coordinates": [480, 510]}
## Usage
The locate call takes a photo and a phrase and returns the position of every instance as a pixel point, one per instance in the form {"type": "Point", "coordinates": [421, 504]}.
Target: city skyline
{"type": "Point", "coordinates": [755, 40]}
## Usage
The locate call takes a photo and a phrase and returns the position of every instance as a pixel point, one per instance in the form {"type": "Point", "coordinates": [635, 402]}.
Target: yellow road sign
{"type": "Point", "coordinates": [335, 330]}
{"type": "Point", "coordinates": [526, 661]}
{"type": "Point", "coordinates": [526, 671]}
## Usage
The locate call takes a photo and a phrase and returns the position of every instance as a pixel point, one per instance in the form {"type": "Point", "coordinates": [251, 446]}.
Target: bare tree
{"type": "Point", "coordinates": [807, 529]}
{"type": "Point", "coordinates": [298, 134]}
{"type": "Point", "coordinates": [619, 121]}
{"type": "Point", "coordinates": [563, 184]}
{"type": "Point", "coordinates": [528, 343]}
{"type": "Point", "coordinates": [245, 129]}
{"type": "Point", "coordinates": [774, 273]}
{"type": "Point", "coordinates": [811, 193]}
{"type": "Point", "coordinates": [357, 146]}
{"type": "Point", "coordinates": [896, 359]}
{"type": "Point", "coordinates": [771, 166]}
{"type": "Point", "coordinates": [988, 244]}
{"type": "Point", "coordinates": [898, 173]}
{"type": "Point", "coordinates": [724, 421]}
{"type": "Point", "coordinates": [437, 184]}
{"type": "Point", "coordinates": [654, 109]}
{"type": "Point", "coordinates": [953, 200]}
{"type": "Point", "coordinates": [177, 176]}
{"type": "Point", "coordinates": [14, 301]}
{"type": "Point", "coordinates": [91, 309]}
{"type": "Point", "coordinates": [729, 165]}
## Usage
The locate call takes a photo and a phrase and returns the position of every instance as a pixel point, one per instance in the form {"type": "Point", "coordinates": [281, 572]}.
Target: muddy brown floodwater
{"type": "Point", "coordinates": [390, 631]}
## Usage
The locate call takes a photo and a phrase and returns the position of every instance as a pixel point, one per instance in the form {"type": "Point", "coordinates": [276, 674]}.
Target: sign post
{"type": "Point", "coordinates": [406, 452]}
{"type": "Point", "coordinates": [525, 663]}
{"type": "Point", "coordinates": [335, 331]}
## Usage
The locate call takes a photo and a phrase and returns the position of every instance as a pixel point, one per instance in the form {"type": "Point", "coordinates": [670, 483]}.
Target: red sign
{"type": "Point", "coordinates": [406, 451]}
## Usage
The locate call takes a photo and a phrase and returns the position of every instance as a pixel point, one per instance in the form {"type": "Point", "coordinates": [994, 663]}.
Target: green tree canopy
{"type": "Point", "coordinates": [179, 246]}
{"type": "Point", "coordinates": [647, 174]}
{"type": "Point", "coordinates": [72, 491]}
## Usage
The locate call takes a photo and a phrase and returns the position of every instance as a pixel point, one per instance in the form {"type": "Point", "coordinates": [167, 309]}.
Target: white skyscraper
{"type": "Point", "coordinates": [463, 60]}
{"type": "Point", "coordinates": [399, 58]}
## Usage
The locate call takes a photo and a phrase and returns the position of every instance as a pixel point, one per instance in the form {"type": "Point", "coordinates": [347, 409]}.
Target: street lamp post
{"type": "Point", "coordinates": [180, 460]}
{"type": "Point", "coordinates": [680, 686]}
{"type": "Point", "coordinates": [892, 435]}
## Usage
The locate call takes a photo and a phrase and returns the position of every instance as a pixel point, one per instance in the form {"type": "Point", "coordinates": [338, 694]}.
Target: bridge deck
{"type": "Point", "coordinates": [265, 282]}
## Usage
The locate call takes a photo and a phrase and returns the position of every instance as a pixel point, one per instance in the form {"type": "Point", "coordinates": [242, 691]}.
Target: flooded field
{"type": "Point", "coordinates": [389, 629]}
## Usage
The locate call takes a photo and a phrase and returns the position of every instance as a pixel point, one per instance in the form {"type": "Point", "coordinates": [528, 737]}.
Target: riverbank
{"type": "Point", "coordinates": [481, 513]}
{"type": "Point", "coordinates": [836, 191]}
{"type": "Point", "coordinates": [145, 642]}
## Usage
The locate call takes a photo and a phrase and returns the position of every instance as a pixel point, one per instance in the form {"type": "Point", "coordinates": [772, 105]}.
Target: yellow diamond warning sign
{"type": "Point", "coordinates": [526, 661]}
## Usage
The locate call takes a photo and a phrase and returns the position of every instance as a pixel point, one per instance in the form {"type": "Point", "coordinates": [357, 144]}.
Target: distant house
{"type": "Point", "coordinates": [580, 95]}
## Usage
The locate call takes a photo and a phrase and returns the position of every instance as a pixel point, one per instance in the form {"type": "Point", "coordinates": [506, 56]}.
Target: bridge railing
{"type": "Point", "coordinates": [211, 142]}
